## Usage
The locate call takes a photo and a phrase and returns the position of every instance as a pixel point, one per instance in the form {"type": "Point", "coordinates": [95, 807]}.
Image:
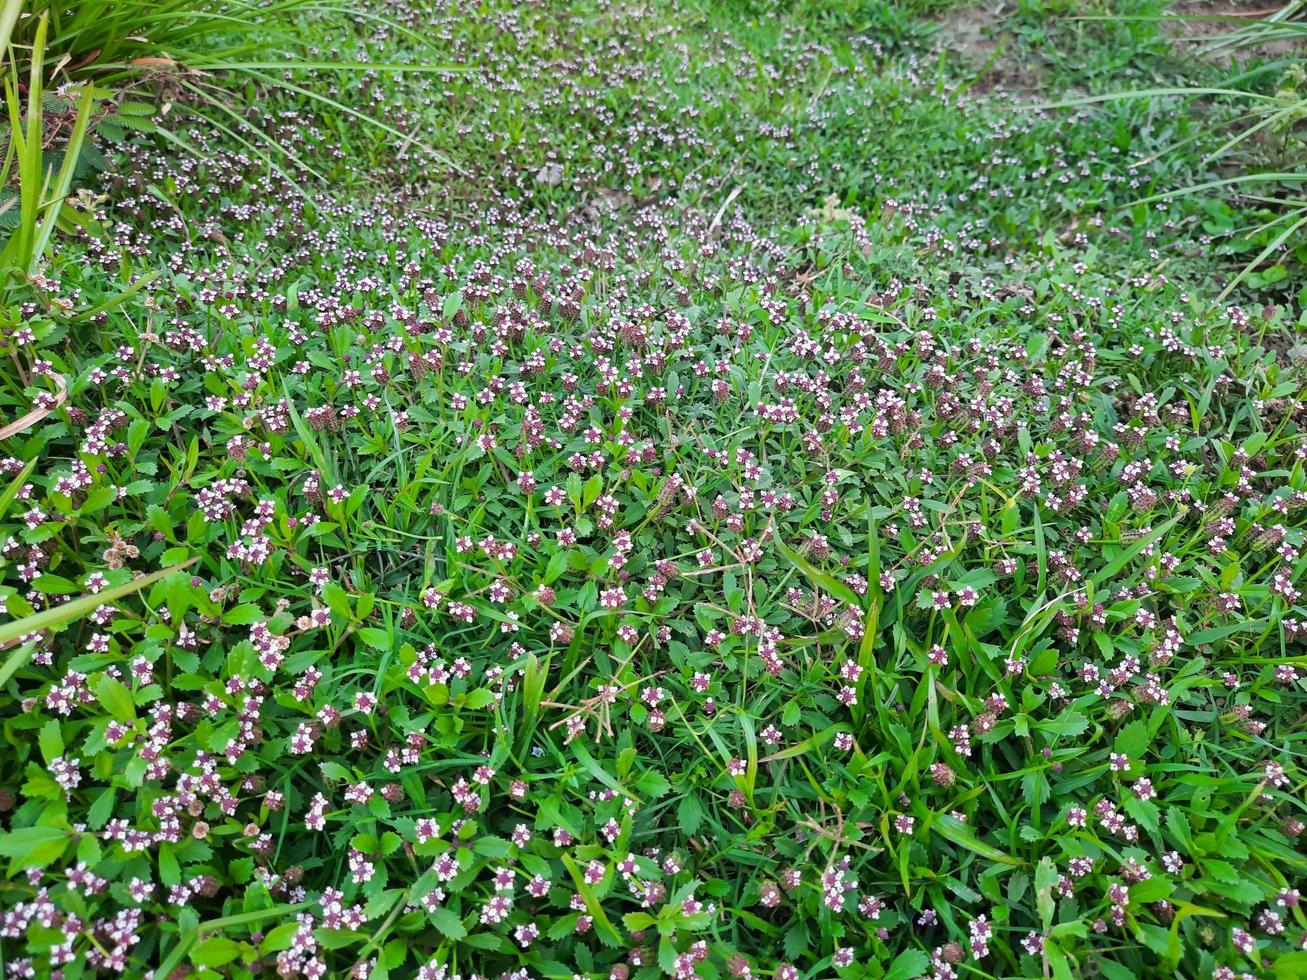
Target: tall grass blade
{"type": "Point", "coordinates": [68, 612]}
{"type": "Point", "coordinates": [63, 183]}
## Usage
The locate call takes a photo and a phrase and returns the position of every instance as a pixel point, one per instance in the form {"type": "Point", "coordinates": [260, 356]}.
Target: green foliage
{"type": "Point", "coordinates": [782, 510]}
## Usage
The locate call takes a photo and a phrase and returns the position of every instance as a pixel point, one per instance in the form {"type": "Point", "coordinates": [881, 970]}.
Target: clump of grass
{"type": "Point", "coordinates": [1275, 118]}
{"type": "Point", "coordinates": [38, 205]}
{"type": "Point", "coordinates": [1266, 149]}
{"type": "Point", "coordinates": [211, 59]}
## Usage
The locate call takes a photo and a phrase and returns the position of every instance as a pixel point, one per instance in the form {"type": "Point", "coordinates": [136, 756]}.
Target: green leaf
{"type": "Point", "coordinates": [482, 697]}
{"type": "Point", "coordinates": [16, 661]}
{"type": "Point", "coordinates": [493, 847]}
{"type": "Point", "coordinates": [116, 698]}
{"type": "Point", "coordinates": [1046, 878]}
{"type": "Point", "coordinates": [215, 951]}
{"type": "Point", "coordinates": [608, 935]}
{"type": "Point", "coordinates": [1290, 966]}
{"type": "Point", "coordinates": [337, 601]}
{"type": "Point", "coordinates": [16, 484]}
{"type": "Point", "coordinates": [54, 585]}
{"type": "Point", "coordinates": [1121, 560]}
{"type": "Point", "coordinates": [908, 964]}
{"type": "Point", "coordinates": [635, 921]}
{"type": "Point", "coordinates": [1144, 812]}
{"type": "Point", "coordinates": [378, 639]}
{"type": "Point", "coordinates": [1066, 725]}
{"type": "Point", "coordinates": [447, 922]}
{"type": "Point", "coordinates": [1057, 960]}
{"type": "Point", "coordinates": [51, 741]}
{"type": "Point", "coordinates": [1133, 740]}
{"type": "Point", "coordinates": [689, 814]}
{"type": "Point", "coordinates": [1151, 890]}
{"type": "Point", "coordinates": [170, 870]}
{"type": "Point", "coordinates": [33, 847]}
{"type": "Point", "coordinates": [101, 810]}
{"type": "Point", "coordinates": [653, 784]}
{"type": "Point", "coordinates": [1177, 823]}
{"type": "Point", "coordinates": [98, 499]}
{"type": "Point", "coordinates": [1113, 970]}
{"type": "Point", "coordinates": [246, 614]}
{"type": "Point", "coordinates": [796, 940]}
{"type": "Point", "coordinates": [828, 583]}
{"type": "Point", "coordinates": [791, 713]}
{"type": "Point", "coordinates": [598, 771]}
{"type": "Point", "coordinates": [557, 565]}
{"type": "Point", "coordinates": [279, 938]}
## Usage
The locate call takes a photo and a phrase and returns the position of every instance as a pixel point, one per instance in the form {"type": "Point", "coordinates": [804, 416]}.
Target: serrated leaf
{"type": "Point", "coordinates": [101, 810]}
{"type": "Point", "coordinates": [1132, 740]}
{"type": "Point", "coordinates": [593, 487]}
{"type": "Point", "coordinates": [1178, 825]}
{"type": "Point", "coordinates": [1151, 890]}
{"type": "Point", "coordinates": [116, 698]}
{"type": "Point", "coordinates": [378, 639]}
{"type": "Point", "coordinates": [689, 814]}
{"type": "Point", "coordinates": [1113, 970]}
{"type": "Point", "coordinates": [448, 923]}
{"type": "Point", "coordinates": [653, 784]}
{"type": "Point", "coordinates": [337, 601]}
{"type": "Point", "coordinates": [1143, 812]}
{"type": "Point", "coordinates": [482, 697]}
{"type": "Point", "coordinates": [33, 847]}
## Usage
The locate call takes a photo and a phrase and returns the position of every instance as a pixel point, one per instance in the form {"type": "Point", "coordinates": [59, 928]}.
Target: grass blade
{"type": "Point", "coordinates": [68, 612]}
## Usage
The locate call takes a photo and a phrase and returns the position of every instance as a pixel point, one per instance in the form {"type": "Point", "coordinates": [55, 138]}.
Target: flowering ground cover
{"type": "Point", "coordinates": [749, 489]}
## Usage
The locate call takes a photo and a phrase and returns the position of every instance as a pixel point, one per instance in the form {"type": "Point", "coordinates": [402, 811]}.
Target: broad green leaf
{"type": "Point", "coordinates": [116, 698]}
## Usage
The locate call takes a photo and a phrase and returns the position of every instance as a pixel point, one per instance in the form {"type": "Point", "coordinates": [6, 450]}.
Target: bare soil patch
{"type": "Point", "coordinates": [1201, 24]}
{"type": "Point", "coordinates": [971, 35]}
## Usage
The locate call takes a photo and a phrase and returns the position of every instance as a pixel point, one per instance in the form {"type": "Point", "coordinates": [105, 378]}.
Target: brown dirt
{"type": "Point", "coordinates": [967, 31]}
{"type": "Point", "coordinates": [969, 35]}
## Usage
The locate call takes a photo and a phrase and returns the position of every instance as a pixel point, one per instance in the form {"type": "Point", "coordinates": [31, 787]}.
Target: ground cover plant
{"type": "Point", "coordinates": [745, 489]}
